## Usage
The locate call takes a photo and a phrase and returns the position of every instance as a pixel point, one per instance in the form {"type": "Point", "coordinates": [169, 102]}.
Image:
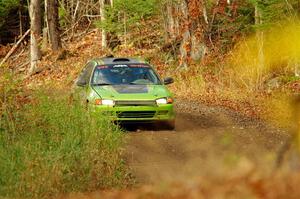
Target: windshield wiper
{"type": "Point", "coordinates": [102, 84]}
{"type": "Point", "coordinates": [132, 83]}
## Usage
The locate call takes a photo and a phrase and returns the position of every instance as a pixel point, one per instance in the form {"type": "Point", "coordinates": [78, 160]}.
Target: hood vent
{"type": "Point", "coordinates": [121, 60]}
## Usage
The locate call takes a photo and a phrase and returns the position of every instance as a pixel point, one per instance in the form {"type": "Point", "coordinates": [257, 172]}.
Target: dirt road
{"type": "Point", "coordinates": [208, 141]}
{"type": "Point", "coordinates": [211, 147]}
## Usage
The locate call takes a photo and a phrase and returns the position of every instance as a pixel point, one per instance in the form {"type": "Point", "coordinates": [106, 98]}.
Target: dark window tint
{"type": "Point", "coordinates": [124, 74]}
{"type": "Point", "coordinates": [86, 73]}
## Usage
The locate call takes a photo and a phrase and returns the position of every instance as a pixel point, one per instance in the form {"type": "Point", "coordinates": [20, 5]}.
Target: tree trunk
{"type": "Point", "coordinates": [35, 18]}
{"type": "Point", "coordinates": [109, 39]}
{"type": "Point", "coordinates": [45, 39]}
{"type": "Point", "coordinates": [170, 25]}
{"type": "Point", "coordinates": [193, 45]}
{"type": "Point", "coordinates": [185, 46]}
{"type": "Point", "coordinates": [260, 46]}
{"type": "Point", "coordinates": [103, 32]}
{"type": "Point", "coordinates": [171, 16]}
{"type": "Point", "coordinates": [187, 21]}
{"type": "Point", "coordinates": [53, 24]}
{"type": "Point", "coordinates": [20, 19]}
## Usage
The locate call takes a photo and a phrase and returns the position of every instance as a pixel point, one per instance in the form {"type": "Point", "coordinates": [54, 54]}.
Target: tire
{"type": "Point", "coordinates": [170, 125]}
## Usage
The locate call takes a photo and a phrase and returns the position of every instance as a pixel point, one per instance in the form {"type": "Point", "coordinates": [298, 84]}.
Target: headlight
{"type": "Point", "coordinates": [161, 101]}
{"type": "Point", "coordinates": [167, 100]}
{"type": "Point", "coordinates": [106, 102]}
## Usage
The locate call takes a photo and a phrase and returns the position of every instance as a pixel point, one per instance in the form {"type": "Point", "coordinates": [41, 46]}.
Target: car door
{"type": "Point", "coordinates": [83, 81]}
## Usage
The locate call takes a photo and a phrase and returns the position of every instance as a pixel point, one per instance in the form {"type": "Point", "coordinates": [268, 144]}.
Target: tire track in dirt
{"type": "Point", "coordinates": [208, 141]}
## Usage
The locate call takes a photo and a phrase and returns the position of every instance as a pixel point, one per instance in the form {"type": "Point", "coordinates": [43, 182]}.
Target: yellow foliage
{"type": "Point", "coordinates": [265, 53]}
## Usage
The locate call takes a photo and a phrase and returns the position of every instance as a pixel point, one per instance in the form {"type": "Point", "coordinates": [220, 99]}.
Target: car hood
{"type": "Point", "coordinates": [132, 92]}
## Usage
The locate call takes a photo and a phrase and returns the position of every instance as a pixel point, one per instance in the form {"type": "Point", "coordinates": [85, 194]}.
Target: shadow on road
{"type": "Point", "coordinates": [139, 127]}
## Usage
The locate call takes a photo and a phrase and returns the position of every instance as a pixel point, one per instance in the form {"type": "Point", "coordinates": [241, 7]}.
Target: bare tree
{"type": "Point", "coordinates": [186, 20]}
{"type": "Point", "coordinates": [104, 34]}
{"type": "Point", "coordinates": [35, 18]}
{"type": "Point", "coordinates": [53, 24]}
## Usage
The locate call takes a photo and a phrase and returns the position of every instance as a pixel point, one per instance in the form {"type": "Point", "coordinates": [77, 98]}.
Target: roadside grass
{"type": "Point", "coordinates": [51, 145]}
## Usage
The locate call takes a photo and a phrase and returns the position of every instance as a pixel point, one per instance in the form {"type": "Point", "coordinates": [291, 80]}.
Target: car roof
{"type": "Point", "coordinates": [118, 60]}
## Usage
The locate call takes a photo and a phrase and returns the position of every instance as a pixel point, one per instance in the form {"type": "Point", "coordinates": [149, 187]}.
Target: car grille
{"type": "Point", "coordinates": [135, 103]}
{"type": "Point", "coordinates": [136, 114]}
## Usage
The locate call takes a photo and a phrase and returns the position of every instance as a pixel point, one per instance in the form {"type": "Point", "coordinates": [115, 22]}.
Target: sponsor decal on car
{"type": "Point", "coordinates": [139, 66]}
{"type": "Point", "coordinates": [102, 67]}
{"type": "Point", "coordinates": [134, 89]}
{"type": "Point", "coordinates": [120, 66]}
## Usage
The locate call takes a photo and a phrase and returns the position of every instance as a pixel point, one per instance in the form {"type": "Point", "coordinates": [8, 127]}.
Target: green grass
{"type": "Point", "coordinates": [52, 145]}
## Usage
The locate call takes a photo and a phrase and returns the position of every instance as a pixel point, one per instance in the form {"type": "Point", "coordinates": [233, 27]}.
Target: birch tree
{"type": "Point", "coordinates": [103, 18]}
{"type": "Point", "coordinates": [104, 33]}
{"type": "Point", "coordinates": [35, 26]}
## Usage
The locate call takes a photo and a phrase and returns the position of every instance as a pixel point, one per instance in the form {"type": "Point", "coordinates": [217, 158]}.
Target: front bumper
{"type": "Point", "coordinates": [136, 113]}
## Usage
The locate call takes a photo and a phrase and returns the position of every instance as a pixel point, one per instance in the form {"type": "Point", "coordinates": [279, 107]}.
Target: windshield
{"type": "Point", "coordinates": [139, 74]}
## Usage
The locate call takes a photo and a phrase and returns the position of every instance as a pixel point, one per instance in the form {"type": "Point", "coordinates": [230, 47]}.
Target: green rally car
{"type": "Point", "coordinates": [129, 90]}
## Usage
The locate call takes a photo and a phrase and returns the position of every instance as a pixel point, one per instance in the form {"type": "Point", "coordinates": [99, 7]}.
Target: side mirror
{"type": "Point", "coordinates": [168, 80]}
{"type": "Point", "coordinates": [81, 82]}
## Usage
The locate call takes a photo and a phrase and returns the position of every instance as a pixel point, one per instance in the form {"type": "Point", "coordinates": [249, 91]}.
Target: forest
{"type": "Point", "coordinates": [236, 66]}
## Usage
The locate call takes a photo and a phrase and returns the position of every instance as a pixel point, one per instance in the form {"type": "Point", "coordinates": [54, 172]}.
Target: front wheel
{"type": "Point", "coordinates": [170, 125]}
